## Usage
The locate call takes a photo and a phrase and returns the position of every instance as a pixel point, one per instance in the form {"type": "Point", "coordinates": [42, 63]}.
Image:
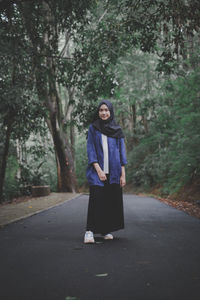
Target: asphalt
{"type": "Point", "coordinates": [156, 256]}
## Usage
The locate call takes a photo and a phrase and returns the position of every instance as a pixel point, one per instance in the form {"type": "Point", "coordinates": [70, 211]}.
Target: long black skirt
{"type": "Point", "coordinates": [105, 208]}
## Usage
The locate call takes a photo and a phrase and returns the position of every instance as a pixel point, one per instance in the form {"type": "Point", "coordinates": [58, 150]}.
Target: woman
{"type": "Point", "coordinates": [105, 174]}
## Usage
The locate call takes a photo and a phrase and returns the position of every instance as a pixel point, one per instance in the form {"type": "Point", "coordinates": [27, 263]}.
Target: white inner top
{"type": "Point", "coordinates": [105, 153]}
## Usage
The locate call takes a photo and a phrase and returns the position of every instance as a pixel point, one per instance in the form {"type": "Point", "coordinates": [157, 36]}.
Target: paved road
{"type": "Point", "coordinates": [156, 257]}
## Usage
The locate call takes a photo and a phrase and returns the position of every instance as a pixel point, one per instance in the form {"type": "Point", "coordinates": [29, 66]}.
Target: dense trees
{"type": "Point", "coordinates": [166, 155]}
{"type": "Point", "coordinates": [44, 22]}
{"type": "Point", "coordinates": [41, 24]}
{"type": "Point", "coordinates": [59, 57]}
{"type": "Point", "coordinates": [20, 110]}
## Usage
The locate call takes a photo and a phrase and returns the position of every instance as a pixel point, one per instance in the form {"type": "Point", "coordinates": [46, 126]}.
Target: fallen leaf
{"type": "Point", "coordinates": [102, 275]}
{"type": "Point", "coordinates": [30, 206]}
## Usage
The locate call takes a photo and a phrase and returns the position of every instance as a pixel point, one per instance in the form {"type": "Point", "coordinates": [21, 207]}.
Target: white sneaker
{"type": "Point", "coordinates": [89, 237]}
{"type": "Point", "coordinates": [108, 236]}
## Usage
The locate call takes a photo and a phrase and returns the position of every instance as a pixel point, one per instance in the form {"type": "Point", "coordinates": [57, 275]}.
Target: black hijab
{"type": "Point", "coordinates": [108, 127]}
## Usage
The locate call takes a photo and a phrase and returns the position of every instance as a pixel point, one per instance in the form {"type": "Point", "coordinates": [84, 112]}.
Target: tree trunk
{"type": "Point", "coordinates": [5, 157]}
{"type": "Point", "coordinates": [145, 123]}
{"type": "Point", "coordinates": [46, 74]}
{"type": "Point", "coordinates": [72, 138]}
{"type": "Point", "coordinates": [134, 120]}
{"type": "Point", "coordinates": [65, 162]}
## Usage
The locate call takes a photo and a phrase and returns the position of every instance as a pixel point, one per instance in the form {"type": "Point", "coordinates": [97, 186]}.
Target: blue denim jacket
{"type": "Point", "coordinates": [116, 154]}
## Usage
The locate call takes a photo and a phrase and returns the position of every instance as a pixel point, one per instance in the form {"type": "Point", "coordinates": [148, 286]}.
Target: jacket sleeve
{"type": "Point", "coordinates": [122, 150]}
{"type": "Point", "coordinates": [91, 150]}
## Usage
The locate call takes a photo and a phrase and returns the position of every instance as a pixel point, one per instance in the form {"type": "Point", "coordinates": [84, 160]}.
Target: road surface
{"type": "Point", "coordinates": [156, 256]}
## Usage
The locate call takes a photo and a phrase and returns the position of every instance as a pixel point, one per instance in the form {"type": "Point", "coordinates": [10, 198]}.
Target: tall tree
{"type": "Point", "coordinates": [44, 22]}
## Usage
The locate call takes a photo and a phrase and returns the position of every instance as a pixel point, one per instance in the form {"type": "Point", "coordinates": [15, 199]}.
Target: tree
{"type": "Point", "coordinates": [44, 21]}
{"type": "Point", "coordinates": [20, 111]}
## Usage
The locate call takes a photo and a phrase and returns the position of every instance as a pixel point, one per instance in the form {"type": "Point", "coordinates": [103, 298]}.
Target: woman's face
{"type": "Point", "coordinates": [104, 112]}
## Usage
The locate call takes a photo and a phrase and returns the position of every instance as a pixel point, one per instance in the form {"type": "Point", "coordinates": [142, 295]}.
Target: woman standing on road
{"type": "Point", "coordinates": [105, 174]}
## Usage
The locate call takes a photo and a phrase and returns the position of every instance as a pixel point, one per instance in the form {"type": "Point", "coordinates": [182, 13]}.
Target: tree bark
{"type": "Point", "coordinates": [72, 138]}
{"type": "Point", "coordinates": [65, 162]}
{"type": "Point", "coordinates": [5, 157]}
{"type": "Point", "coordinates": [134, 120]}
{"type": "Point", "coordinates": [66, 181]}
{"type": "Point", "coordinates": [145, 123]}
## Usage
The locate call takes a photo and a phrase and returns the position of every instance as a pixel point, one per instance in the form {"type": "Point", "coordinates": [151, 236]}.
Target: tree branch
{"type": "Point", "coordinates": [102, 16]}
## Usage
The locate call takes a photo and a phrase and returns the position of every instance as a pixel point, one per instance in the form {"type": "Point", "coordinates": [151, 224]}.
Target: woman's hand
{"type": "Point", "coordinates": [101, 174]}
{"type": "Point", "coordinates": [123, 177]}
{"type": "Point", "coordinates": [122, 181]}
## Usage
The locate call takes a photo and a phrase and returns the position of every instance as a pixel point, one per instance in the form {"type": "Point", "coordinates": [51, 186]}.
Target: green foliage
{"type": "Point", "coordinates": [169, 155]}
{"type": "Point", "coordinates": [19, 105]}
{"type": "Point", "coordinates": [81, 160]}
{"type": "Point", "coordinates": [38, 166]}
{"type": "Point", "coordinates": [12, 186]}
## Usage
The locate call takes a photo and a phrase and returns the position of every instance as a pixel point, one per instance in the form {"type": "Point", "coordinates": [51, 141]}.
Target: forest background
{"type": "Point", "coordinates": [58, 59]}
